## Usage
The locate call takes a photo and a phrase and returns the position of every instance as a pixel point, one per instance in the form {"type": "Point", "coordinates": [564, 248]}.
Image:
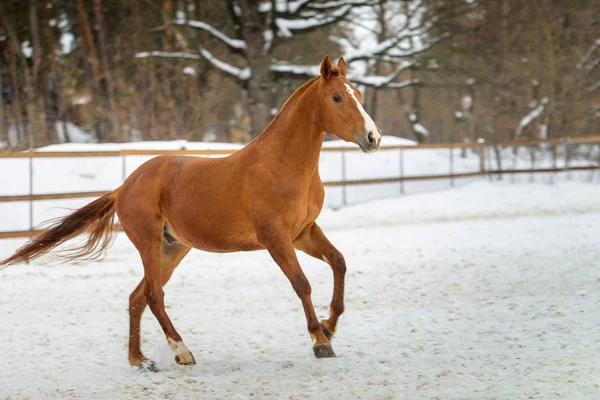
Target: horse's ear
{"type": "Point", "coordinates": [342, 66]}
{"type": "Point", "coordinates": [326, 67]}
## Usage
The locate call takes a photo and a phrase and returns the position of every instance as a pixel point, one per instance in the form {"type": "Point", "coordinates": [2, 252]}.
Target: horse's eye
{"type": "Point", "coordinates": [337, 98]}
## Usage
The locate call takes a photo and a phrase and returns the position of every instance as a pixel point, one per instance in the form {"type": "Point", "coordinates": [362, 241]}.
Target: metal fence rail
{"type": "Point", "coordinates": [481, 148]}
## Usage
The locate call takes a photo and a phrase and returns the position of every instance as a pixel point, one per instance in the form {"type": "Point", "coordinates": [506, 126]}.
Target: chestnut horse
{"type": "Point", "coordinates": [265, 196]}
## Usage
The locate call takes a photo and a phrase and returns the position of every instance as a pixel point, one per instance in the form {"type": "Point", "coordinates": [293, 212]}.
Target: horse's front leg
{"type": "Point", "coordinates": [279, 244]}
{"type": "Point", "coordinates": [313, 242]}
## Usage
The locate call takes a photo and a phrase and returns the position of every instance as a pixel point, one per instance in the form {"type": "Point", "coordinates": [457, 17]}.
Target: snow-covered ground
{"type": "Point", "coordinates": [484, 292]}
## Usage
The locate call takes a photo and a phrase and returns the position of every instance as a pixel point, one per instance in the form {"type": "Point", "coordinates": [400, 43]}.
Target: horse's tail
{"type": "Point", "coordinates": [95, 220]}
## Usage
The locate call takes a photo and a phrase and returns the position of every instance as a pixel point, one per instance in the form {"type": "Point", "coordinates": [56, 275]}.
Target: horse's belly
{"type": "Point", "coordinates": [227, 246]}
{"type": "Point", "coordinates": [220, 236]}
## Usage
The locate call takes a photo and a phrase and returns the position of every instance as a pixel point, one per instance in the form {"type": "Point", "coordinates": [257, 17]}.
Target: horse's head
{"type": "Point", "coordinates": [342, 113]}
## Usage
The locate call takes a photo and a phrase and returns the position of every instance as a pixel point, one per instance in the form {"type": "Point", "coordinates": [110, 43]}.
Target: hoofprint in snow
{"type": "Point", "coordinates": [488, 291]}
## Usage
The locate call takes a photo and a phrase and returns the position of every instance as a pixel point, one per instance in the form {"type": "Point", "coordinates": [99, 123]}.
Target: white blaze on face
{"type": "Point", "coordinates": [369, 123]}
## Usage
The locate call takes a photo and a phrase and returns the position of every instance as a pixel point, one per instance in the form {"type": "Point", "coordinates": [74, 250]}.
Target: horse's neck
{"type": "Point", "coordinates": [294, 137]}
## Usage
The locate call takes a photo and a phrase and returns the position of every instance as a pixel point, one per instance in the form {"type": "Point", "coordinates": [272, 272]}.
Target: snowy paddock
{"type": "Point", "coordinates": [483, 292]}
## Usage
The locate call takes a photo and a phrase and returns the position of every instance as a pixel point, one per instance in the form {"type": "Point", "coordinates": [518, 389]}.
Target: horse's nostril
{"type": "Point", "coordinates": [370, 137]}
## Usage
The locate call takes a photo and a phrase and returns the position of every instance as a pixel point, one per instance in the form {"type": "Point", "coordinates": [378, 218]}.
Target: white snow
{"type": "Point", "coordinates": [268, 38]}
{"type": "Point", "coordinates": [287, 26]}
{"type": "Point", "coordinates": [406, 36]}
{"type": "Point", "coordinates": [66, 41]}
{"type": "Point", "coordinates": [363, 47]}
{"type": "Point", "coordinates": [588, 54]}
{"type": "Point", "coordinates": [489, 291]}
{"type": "Point", "coordinates": [594, 86]}
{"type": "Point", "coordinates": [234, 43]}
{"type": "Point", "coordinates": [190, 71]}
{"type": "Point", "coordinates": [335, 3]}
{"type": "Point", "coordinates": [402, 84]}
{"type": "Point", "coordinates": [64, 21]}
{"type": "Point", "coordinates": [419, 128]}
{"type": "Point", "coordinates": [75, 133]}
{"type": "Point", "coordinates": [466, 102]}
{"type": "Point", "coordinates": [26, 48]}
{"type": "Point", "coordinates": [241, 73]}
{"type": "Point", "coordinates": [310, 70]}
{"type": "Point", "coordinates": [79, 100]}
{"type": "Point", "coordinates": [379, 81]}
{"type": "Point", "coordinates": [283, 6]}
{"type": "Point", "coordinates": [236, 8]}
{"type": "Point", "coordinates": [527, 119]}
{"type": "Point", "coordinates": [157, 53]}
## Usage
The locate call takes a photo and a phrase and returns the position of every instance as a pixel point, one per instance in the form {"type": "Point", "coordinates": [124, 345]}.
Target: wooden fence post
{"type": "Point", "coordinates": [451, 167]}
{"type": "Point", "coordinates": [344, 194]}
{"type": "Point", "coordinates": [401, 162]}
{"type": "Point", "coordinates": [30, 191]}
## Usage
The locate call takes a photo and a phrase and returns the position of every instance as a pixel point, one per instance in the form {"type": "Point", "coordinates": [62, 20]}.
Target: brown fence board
{"type": "Point", "coordinates": [60, 154]}
{"type": "Point", "coordinates": [18, 234]}
{"type": "Point", "coordinates": [35, 232]}
{"type": "Point", "coordinates": [544, 170]}
{"type": "Point", "coordinates": [51, 196]}
{"type": "Point", "coordinates": [177, 152]}
{"type": "Point", "coordinates": [402, 179]}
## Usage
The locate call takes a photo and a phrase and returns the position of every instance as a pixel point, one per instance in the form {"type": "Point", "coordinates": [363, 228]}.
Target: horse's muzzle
{"type": "Point", "coordinates": [370, 142]}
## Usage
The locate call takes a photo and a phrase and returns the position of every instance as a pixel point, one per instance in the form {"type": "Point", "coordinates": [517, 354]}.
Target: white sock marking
{"type": "Point", "coordinates": [177, 347]}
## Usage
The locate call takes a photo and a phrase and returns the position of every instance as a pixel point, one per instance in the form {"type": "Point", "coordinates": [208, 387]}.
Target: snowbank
{"type": "Point", "coordinates": [479, 200]}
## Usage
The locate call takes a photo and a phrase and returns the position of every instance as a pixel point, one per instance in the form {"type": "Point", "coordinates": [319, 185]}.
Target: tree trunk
{"type": "Point", "coordinates": [90, 62]}
{"type": "Point", "coordinates": [15, 101]}
{"type": "Point", "coordinates": [55, 107]}
{"type": "Point", "coordinates": [38, 82]}
{"type": "Point", "coordinates": [166, 70]}
{"type": "Point", "coordinates": [112, 107]}
{"type": "Point", "coordinates": [381, 36]}
{"type": "Point", "coordinates": [259, 95]}
{"type": "Point", "coordinates": [30, 104]}
{"type": "Point", "coordinates": [3, 123]}
{"type": "Point", "coordinates": [139, 114]}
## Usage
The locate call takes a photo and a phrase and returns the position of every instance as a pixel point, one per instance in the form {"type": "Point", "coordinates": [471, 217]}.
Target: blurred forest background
{"type": "Point", "coordinates": [430, 70]}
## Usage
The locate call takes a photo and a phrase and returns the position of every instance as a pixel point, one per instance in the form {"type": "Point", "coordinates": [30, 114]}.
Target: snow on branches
{"type": "Point", "coordinates": [530, 117]}
{"type": "Point", "coordinates": [588, 64]}
{"type": "Point", "coordinates": [397, 41]}
{"type": "Point", "coordinates": [232, 43]}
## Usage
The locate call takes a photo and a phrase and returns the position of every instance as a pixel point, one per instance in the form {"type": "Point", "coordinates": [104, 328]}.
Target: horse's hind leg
{"type": "Point", "coordinates": [146, 233]}
{"type": "Point", "coordinates": [171, 257]}
{"type": "Point", "coordinates": [137, 305]}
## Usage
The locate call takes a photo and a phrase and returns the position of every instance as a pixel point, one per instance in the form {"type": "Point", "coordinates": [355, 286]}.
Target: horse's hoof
{"type": "Point", "coordinates": [324, 351]}
{"type": "Point", "coordinates": [326, 332]}
{"type": "Point", "coordinates": [143, 363]}
{"type": "Point", "coordinates": [149, 365]}
{"type": "Point", "coordinates": [185, 359]}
